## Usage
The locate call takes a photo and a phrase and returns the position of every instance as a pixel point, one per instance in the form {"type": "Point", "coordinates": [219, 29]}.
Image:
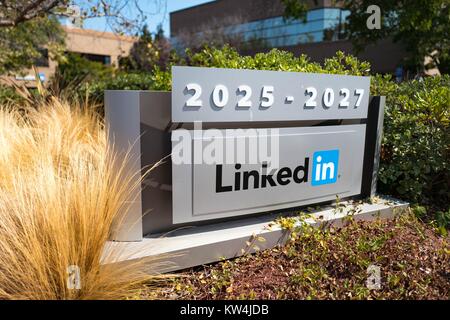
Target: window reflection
{"type": "Point", "coordinates": [321, 25]}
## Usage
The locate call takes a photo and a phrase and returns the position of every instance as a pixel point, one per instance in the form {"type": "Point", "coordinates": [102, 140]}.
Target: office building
{"type": "Point", "coordinates": [320, 36]}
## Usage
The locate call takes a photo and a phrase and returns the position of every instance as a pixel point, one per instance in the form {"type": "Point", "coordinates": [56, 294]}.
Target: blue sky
{"type": "Point", "coordinates": [153, 20]}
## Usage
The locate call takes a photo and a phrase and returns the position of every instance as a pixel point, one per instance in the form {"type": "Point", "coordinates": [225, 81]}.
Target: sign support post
{"type": "Point", "coordinates": [374, 135]}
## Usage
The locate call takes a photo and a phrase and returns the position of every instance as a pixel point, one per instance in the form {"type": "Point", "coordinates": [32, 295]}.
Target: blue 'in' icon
{"type": "Point", "coordinates": [325, 167]}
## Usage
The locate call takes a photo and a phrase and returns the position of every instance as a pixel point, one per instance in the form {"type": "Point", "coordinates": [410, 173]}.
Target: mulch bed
{"type": "Point", "coordinates": [328, 264]}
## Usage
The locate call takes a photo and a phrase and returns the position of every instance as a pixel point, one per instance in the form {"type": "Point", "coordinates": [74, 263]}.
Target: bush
{"type": "Point", "coordinates": [59, 204]}
{"type": "Point", "coordinates": [72, 78]}
{"type": "Point", "coordinates": [74, 67]}
{"type": "Point", "coordinates": [228, 57]}
{"type": "Point", "coordinates": [121, 81]}
{"type": "Point", "coordinates": [328, 263]}
{"type": "Point", "coordinates": [8, 95]}
{"type": "Point", "coordinates": [74, 71]}
{"type": "Point", "coordinates": [415, 158]}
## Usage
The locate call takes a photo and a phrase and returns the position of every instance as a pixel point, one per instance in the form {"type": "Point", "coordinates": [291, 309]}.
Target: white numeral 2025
{"type": "Point", "coordinates": [220, 96]}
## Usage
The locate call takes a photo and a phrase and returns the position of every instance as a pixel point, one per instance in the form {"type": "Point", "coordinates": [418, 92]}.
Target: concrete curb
{"type": "Point", "coordinates": [195, 246]}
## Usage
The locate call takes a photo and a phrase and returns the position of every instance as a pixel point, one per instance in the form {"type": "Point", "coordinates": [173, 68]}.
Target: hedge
{"type": "Point", "coordinates": [415, 158]}
{"type": "Point", "coordinates": [121, 81]}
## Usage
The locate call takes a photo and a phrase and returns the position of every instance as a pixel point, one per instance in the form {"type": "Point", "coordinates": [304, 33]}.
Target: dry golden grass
{"type": "Point", "coordinates": [59, 201]}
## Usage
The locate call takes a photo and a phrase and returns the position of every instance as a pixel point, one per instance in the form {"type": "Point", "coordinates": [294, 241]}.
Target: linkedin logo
{"type": "Point", "coordinates": [324, 171]}
{"type": "Point", "coordinates": [325, 167]}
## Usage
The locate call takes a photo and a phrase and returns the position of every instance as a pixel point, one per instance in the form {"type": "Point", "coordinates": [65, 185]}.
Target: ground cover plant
{"type": "Point", "coordinates": [415, 156]}
{"type": "Point", "coordinates": [328, 263]}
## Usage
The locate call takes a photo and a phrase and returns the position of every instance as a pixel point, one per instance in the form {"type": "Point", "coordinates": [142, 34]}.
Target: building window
{"type": "Point", "coordinates": [104, 59]}
{"type": "Point", "coordinates": [321, 25]}
{"type": "Point", "coordinates": [42, 61]}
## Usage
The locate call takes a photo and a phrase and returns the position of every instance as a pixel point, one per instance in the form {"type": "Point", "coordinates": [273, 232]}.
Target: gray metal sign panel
{"type": "Point", "coordinates": [315, 165]}
{"type": "Point", "coordinates": [237, 95]}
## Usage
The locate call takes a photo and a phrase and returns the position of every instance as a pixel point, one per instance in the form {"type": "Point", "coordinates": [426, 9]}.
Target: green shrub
{"type": "Point", "coordinates": [8, 95]}
{"type": "Point", "coordinates": [415, 158]}
{"type": "Point", "coordinates": [228, 57]}
{"type": "Point", "coordinates": [121, 81]}
{"type": "Point", "coordinates": [442, 219]}
{"type": "Point", "coordinates": [327, 263]}
{"type": "Point", "coordinates": [73, 75]}
{"type": "Point", "coordinates": [74, 67]}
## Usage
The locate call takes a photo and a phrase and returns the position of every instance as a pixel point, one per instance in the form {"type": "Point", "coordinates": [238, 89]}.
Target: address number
{"type": "Point", "coordinates": [220, 97]}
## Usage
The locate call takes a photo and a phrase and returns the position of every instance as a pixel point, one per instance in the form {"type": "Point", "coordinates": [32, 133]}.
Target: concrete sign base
{"type": "Point", "coordinates": [193, 246]}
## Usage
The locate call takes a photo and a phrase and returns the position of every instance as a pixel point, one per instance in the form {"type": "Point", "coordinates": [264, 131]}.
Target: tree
{"type": "Point", "coordinates": [149, 51]}
{"type": "Point", "coordinates": [422, 26]}
{"type": "Point", "coordinates": [22, 45]}
{"type": "Point", "coordinates": [25, 30]}
{"type": "Point", "coordinates": [164, 47]}
{"type": "Point", "coordinates": [121, 15]}
{"type": "Point", "coordinates": [28, 26]}
{"type": "Point", "coordinates": [14, 12]}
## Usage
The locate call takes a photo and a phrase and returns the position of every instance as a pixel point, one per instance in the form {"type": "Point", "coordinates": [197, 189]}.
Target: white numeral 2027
{"type": "Point", "coordinates": [328, 97]}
